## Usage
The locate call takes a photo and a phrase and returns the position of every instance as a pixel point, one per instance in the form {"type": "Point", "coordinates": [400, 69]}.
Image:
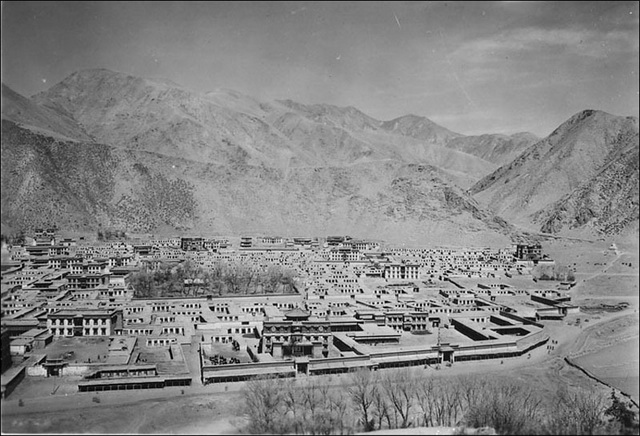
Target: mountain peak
{"type": "Point", "coordinates": [568, 162]}
{"type": "Point", "coordinates": [590, 122]}
{"type": "Point", "coordinates": [347, 117]}
{"type": "Point", "coordinates": [411, 117]}
{"type": "Point", "coordinates": [94, 73]}
{"type": "Point", "coordinates": [321, 107]}
{"type": "Point", "coordinates": [420, 128]}
{"type": "Point", "coordinates": [588, 113]}
{"type": "Point", "coordinates": [102, 78]}
{"type": "Point", "coordinates": [226, 92]}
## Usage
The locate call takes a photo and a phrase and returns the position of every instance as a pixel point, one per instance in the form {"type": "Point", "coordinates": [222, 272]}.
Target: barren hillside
{"type": "Point", "coordinates": [102, 148]}
{"type": "Point", "coordinates": [496, 148]}
{"type": "Point", "coordinates": [576, 167]}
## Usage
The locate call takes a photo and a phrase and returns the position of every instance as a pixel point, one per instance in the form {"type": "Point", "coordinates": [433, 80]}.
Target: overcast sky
{"type": "Point", "coordinates": [473, 67]}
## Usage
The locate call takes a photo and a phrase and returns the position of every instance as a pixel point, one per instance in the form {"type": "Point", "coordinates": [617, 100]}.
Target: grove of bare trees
{"type": "Point", "coordinates": [390, 399]}
{"type": "Point", "coordinates": [223, 278]}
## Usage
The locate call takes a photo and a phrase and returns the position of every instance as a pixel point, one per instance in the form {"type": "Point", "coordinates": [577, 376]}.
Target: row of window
{"type": "Point", "coordinates": [85, 331]}
{"type": "Point", "coordinates": [90, 321]}
{"type": "Point", "coordinates": [281, 339]}
{"type": "Point", "coordinates": [160, 342]}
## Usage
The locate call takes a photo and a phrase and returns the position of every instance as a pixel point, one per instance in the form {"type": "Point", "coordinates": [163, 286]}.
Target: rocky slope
{"type": "Point", "coordinates": [224, 127]}
{"type": "Point", "coordinates": [107, 149]}
{"type": "Point", "coordinates": [162, 157]}
{"type": "Point", "coordinates": [568, 178]}
{"type": "Point", "coordinates": [606, 203]}
{"type": "Point", "coordinates": [495, 148]}
{"type": "Point", "coordinates": [44, 183]}
{"type": "Point", "coordinates": [420, 128]}
{"type": "Point", "coordinates": [48, 182]}
{"type": "Point", "coordinates": [23, 111]}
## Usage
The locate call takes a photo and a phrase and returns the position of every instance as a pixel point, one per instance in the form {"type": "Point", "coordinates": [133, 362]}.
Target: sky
{"type": "Point", "coordinates": [472, 67]}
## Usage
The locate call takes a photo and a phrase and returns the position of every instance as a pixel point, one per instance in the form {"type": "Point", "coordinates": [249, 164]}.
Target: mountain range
{"type": "Point", "coordinates": [105, 149]}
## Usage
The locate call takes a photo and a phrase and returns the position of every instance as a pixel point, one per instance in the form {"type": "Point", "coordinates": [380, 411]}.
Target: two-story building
{"type": "Point", "coordinates": [84, 322]}
{"type": "Point", "coordinates": [296, 334]}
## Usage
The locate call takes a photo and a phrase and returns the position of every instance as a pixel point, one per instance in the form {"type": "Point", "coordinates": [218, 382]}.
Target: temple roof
{"type": "Point", "coordinates": [297, 313]}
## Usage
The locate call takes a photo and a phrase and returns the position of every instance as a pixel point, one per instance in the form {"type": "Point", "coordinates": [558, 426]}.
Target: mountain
{"type": "Point", "coordinates": [155, 155]}
{"type": "Point", "coordinates": [495, 148]}
{"type": "Point", "coordinates": [338, 136]}
{"type": "Point", "coordinates": [158, 116]}
{"type": "Point", "coordinates": [47, 182]}
{"type": "Point", "coordinates": [606, 203]}
{"type": "Point", "coordinates": [22, 111]}
{"type": "Point", "coordinates": [161, 157]}
{"type": "Point", "coordinates": [580, 176]}
{"type": "Point", "coordinates": [419, 128]}
{"type": "Point", "coordinates": [348, 118]}
{"type": "Point", "coordinates": [227, 128]}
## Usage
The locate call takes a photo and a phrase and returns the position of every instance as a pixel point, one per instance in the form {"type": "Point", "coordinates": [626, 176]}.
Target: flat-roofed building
{"type": "Point", "coordinates": [88, 281]}
{"type": "Point", "coordinates": [402, 271]}
{"type": "Point", "coordinates": [296, 334]}
{"type": "Point", "coordinates": [84, 322]}
{"type": "Point", "coordinates": [528, 252]}
{"type": "Point", "coordinates": [192, 244]}
{"type": "Point", "coordinates": [344, 254]}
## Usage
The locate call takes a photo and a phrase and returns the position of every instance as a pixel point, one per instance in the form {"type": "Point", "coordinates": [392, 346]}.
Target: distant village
{"type": "Point", "coordinates": [70, 309]}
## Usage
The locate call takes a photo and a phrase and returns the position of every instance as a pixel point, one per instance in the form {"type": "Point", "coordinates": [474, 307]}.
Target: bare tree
{"type": "Point", "coordinates": [450, 395]}
{"type": "Point", "coordinates": [402, 397]}
{"type": "Point", "coordinates": [264, 405]}
{"type": "Point", "coordinates": [380, 408]}
{"type": "Point", "coordinates": [399, 389]}
{"type": "Point", "coordinates": [293, 404]}
{"type": "Point", "coordinates": [472, 389]}
{"type": "Point", "coordinates": [341, 413]}
{"type": "Point", "coordinates": [362, 392]}
{"type": "Point", "coordinates": [581, 412]}
{"type": "Point", "coordinates": [509, 407]}
{"type": "Point", "coordinates": [425, 398]}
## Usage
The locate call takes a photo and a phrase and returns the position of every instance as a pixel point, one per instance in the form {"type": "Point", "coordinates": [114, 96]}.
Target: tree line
{"type": "Point", "coordinates": [553, 272]}
{"type": "Point", "coordinates": [223, 278]}
{"type": "Point", "coordinates": [391, 399]}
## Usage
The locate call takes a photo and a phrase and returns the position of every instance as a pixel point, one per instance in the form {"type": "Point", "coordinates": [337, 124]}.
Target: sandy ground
{"type": "Point", "coordinates": [210, 411]}
{"type": "Point", "coordinates": [217, 409]}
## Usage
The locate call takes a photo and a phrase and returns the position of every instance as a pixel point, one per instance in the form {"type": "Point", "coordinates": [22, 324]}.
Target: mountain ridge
{"type": "Point", "coordinates": [141, 191]}
{"type": "Point", "coordinates": [227, 162]}
{"type": "Point", "coordinates": [21, 110]}
{"type": "Point", "coordinates": [130, 112]}
{"type": "Point", "coordinates": [567, 161]}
